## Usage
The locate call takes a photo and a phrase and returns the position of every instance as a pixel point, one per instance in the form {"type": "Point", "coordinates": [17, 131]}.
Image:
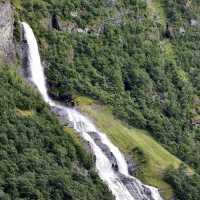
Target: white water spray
{"type": "Point", "coordinates": [133, 189]}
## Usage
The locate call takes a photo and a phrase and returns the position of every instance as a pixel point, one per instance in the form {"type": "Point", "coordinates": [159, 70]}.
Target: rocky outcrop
{"type": "Point", "coordinates": [105, 149]}
{"type": "Point", "coordinates": [136, 188]}
{"type": "Point", "coordinates": [132, 167]}
{"type": "Point", "coordinates": [111, 3]}
{"type": "Point", "coordinates": [6, 31]}
{"type": "Point", "coordinates": [62, 115]}
{"type": "Point", "coordinates": [23, 53]}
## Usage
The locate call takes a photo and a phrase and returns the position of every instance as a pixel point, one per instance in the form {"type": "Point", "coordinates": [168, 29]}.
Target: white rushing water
{"type": "Point", "coordinates": [83, 126]}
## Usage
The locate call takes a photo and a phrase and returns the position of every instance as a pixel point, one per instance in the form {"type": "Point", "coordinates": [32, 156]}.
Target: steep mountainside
{"type": "Point", "coordinates": [140, 58]}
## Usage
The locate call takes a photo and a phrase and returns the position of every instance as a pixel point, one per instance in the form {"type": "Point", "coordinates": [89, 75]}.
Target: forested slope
{"type": "Point", "coordinates": [38, 159]}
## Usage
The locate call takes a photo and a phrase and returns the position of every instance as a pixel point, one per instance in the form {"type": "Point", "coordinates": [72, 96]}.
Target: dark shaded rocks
{"type": "Point", "coordinates": [136, 188]}
{"type": "Point", "coordinates": [132, 167]}
{"type": "Point", "coordinates": [105, 149]}
{"type": "Point", "coordinates": [196, 122]}
{"type": "Point", "coordinates": [169, 32]}
{"type": "Point", "coordinates": [111, 3]}
{"type": "Point", "coordinates": [67, 99]}
{"type": "Point", "coordinates": [7, 48]}
{"type": "Point", "coordinates": [68, 196]}
{"type": "Point", "coordinates": [61, 115]}
{"type": "Point", "coordinates": [24, 55]}
{"type": "Point", "coordinates": [127, 85]}
{"type": "Point", "coordinates": [55, 22]}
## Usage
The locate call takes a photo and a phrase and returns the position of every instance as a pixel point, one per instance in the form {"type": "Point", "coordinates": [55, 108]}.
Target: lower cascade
{"type": "Point", "coordinates": [110, 162]}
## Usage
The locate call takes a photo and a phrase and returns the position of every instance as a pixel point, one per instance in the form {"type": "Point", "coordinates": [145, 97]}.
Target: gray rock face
{"type": "Point", "coordinates": [62, 115]}
{"type": "Point", "coordinates": [138, 191]}
{"type": "Point", "coordinates": [23, 52]}
{"type": "Point", "coordinates": [111, 3]}
{"type": "Point", "coordinates": [105, 149]}
{"type": "Point", "coordinates": [6, 31]}
{"type": "Point", "coordinates": [132, 167]}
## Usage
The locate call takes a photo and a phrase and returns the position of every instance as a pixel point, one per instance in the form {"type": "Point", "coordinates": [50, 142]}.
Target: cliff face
{"type": "Point", "coordinates": [6, 31]}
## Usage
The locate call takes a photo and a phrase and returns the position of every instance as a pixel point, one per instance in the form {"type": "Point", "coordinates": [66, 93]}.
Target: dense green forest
{"type": "Point", "coordinates": [38, 160]}
{"type": "Point", "coordinates": [185, 187]}
{"type": "Point", "coordinates": [140, 57]}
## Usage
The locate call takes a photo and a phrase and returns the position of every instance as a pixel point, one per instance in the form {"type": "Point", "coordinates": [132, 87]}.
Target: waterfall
{"type": "Point", "coordinates": [110, 162]}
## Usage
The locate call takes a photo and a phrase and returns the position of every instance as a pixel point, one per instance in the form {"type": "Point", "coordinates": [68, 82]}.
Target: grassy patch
{"type": "Point", "coordinates": [168, 49]}
{"type": "Point", "coordinates": [16, 4]}
{"type": "Point", "coordinates": [82, 101]}
{"type": "Point", "coordinates": [75, 136]}
{"type": "Point", "coordinates": [182, 74]}
{"type": "Point", "coordinates": [24, 113]}
{"type": "Point", "coordinates": [156, 10]}
{"type": "Point", "coordinates": [157, 159]}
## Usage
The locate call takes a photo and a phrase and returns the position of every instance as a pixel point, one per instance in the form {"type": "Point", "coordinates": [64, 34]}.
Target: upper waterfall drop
{"type": "Point", "coordinates": [37, 72]}
{"type": "Point", "coordinates": [122, 185]}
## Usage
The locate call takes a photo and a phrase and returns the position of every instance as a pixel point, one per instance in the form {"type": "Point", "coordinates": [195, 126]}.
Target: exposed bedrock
{"type": "Point", "coordinates": [137, 190]}
{"type": "Point", "coordinates": [61, 114]}
{"type": "Point", "coordinates": [105, 149]}
{"type": "Point", "coordinates": [132, 166]}
{"type": "Point", "coordinates": [24, 56]}
{"type": "Point", "coordinates": [7, 48]}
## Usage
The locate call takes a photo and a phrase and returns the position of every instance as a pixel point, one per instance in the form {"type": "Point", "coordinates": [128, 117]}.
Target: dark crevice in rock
{"type": "Point", "coordinates": [66, 99]}
{"type": "Point", "coordinates": [55, 22]}
{"type": "Point", "coordinates": [169, 32]}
